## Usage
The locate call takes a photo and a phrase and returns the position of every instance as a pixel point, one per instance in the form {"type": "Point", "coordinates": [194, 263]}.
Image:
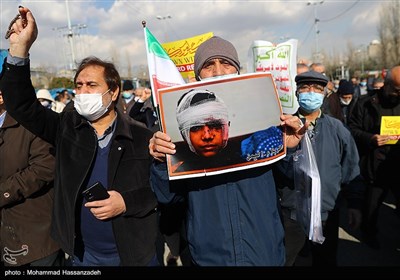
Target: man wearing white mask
{"type": "Point", "coordinates": [45, 98]}
{"type": "Point", "coordinates": [341, 103]}
{"type": "Point", "coordinates": [346, 99]}
{"type": "Point", "coordinates": [93, 144]}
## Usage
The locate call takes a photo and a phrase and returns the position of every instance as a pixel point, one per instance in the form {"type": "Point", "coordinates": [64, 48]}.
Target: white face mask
{"type": "Point", "coordinates": [219, 77]}
{"type": "Point", "coordinates": [345, 101]}
{"type": "Point", "coordinates": [45, 103]}
{"type": "Point", "coordinates": [90, 105]}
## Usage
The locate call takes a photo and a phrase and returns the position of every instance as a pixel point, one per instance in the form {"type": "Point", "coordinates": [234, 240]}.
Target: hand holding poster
{"type": "Point", "coordinates": [390, 125]}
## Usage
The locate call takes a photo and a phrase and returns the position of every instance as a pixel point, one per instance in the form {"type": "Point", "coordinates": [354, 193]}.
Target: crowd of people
{"type": "Point", "coordinates": [108, 133]}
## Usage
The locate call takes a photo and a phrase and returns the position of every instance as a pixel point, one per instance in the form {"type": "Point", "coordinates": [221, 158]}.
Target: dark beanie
{"type": "Point", "coordinates": [215, 47]}
{"type": "Point", "coordinates": [345, 87]}
{"type": "Point", "coordinates": [127, 85]}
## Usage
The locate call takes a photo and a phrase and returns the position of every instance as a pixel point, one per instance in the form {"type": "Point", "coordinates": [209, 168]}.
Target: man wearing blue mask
{"type": "Point", "coordinates": [337, 160]}
{"type": "Point", "coordinates": [363, 86]}
{"type": "Point", "coordinates": [127, 98]}
{"type": "Point", "coordinates": [136, 103]}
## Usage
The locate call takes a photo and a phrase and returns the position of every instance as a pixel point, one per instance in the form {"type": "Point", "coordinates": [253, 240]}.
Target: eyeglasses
{"type": "Point", "coordinates": [307, 88]}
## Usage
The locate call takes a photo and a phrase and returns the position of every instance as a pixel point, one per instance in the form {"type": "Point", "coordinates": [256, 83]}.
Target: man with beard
{"type": "Point", "coordinates": [378, 160]}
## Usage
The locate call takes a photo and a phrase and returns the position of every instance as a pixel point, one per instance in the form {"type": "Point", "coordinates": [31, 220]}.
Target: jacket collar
{"type": "Point", "coordinates": [122, 129]}
{"type": "Point", "coordinates": [9, 121]}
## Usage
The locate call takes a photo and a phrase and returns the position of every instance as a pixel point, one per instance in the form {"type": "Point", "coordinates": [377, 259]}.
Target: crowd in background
{"type": "Point", "coordinates": [212, 221]}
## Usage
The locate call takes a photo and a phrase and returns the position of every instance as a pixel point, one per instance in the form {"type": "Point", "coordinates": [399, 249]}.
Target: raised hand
{"type": "Point", "coordinates": [22, 33]}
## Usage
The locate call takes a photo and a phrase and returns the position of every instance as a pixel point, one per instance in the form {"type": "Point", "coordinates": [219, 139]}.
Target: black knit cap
{"type": "Point", "coordinates": [311, 77]}
{"type": "Point", "coordinates": [215, 47]}
{"type": "Point", "coordinates": [127, 85]}
{"type": "Point", "coordinates": [345, 87]}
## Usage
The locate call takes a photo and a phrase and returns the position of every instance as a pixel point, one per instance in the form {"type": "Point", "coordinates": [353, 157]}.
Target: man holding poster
{"type": "Point", "coordinates": [233, 219]}
{"type": "Point", "coordinates": [378, 157]}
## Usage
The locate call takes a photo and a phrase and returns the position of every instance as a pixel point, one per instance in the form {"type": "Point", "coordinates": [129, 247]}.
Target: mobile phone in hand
{"type": "Point", "coordinates": [95, 192]}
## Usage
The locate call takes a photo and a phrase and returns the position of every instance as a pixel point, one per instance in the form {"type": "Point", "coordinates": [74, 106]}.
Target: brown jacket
{"type": "Point", "coordinates": [26, 195]}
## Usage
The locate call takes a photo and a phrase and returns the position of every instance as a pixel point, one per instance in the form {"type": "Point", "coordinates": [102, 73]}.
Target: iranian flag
{"type": "Point", "coordinates": [162, 70]}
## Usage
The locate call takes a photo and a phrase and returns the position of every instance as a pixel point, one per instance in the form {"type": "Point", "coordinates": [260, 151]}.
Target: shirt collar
{"type": "Point", "coordinates": [312, 124]}
{"type": "Point", "coordinates": [104, 139]}
{"type": "Point", "coordinates": [2, 118]}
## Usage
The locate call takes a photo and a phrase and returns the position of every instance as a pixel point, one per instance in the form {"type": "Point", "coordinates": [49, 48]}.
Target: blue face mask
{"type": "Point", "coordinates": [127, 95]}
{"type": "Point", "coordinates": [310, 101]}
{"type": "Point", "coordinates": [363, 84]}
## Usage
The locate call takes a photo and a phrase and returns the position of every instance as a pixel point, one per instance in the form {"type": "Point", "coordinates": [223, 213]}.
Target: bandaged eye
{"type": "Point", "coordinates": [215, 125]}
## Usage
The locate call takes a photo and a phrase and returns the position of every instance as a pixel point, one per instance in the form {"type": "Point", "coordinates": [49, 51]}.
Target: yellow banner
{"type": "Point", "coordinates": [182, 53]}
{"type": "Point", "coordinates": [390, 125]}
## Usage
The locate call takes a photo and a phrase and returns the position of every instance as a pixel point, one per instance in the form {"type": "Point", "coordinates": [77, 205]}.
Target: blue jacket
{"type": "Point", "coordinates": [337, 159]}
{"type": "Point", "coordinates": [233, 219]}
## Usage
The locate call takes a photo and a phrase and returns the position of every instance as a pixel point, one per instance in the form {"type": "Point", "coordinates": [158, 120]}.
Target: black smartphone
{"type": "Point", "coordinates": [95, 192]}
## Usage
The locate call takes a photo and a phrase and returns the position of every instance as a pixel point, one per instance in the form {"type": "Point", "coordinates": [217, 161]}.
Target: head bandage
{"type": "Point", "coordinates": [209, 108]}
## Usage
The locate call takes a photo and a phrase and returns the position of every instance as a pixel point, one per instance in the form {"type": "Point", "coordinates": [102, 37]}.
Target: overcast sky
{"type": "Point", "coordinates": [112, 30]}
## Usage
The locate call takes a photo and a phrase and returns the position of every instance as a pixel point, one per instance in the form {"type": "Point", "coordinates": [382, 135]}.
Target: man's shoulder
{"type": "Point", "coordinates": [332, 121]}
{"type": "Point", "coordinates": [367, 100]}
{"type": "Point", "coordinates": [136, 128]}
{"type": "Point", "coordinates": [130, 121]}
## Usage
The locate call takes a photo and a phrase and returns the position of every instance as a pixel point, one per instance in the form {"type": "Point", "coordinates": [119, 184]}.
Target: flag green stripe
{"type": "Point", "coordinates": [155, 47]}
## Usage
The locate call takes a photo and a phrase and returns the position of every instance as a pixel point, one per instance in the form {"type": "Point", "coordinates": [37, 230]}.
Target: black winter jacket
{"type": "Point", "coordinates": [76, 143]}
{"type": "Point", "coordinates": [379, 165]}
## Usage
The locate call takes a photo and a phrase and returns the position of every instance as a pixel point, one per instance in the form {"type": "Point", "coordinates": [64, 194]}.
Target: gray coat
{"type": "Point", "coordinates": [337, 159]}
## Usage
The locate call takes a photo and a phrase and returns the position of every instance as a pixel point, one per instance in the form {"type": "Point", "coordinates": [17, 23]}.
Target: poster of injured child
{"type": "Point", "coordinates": [222, 125]}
